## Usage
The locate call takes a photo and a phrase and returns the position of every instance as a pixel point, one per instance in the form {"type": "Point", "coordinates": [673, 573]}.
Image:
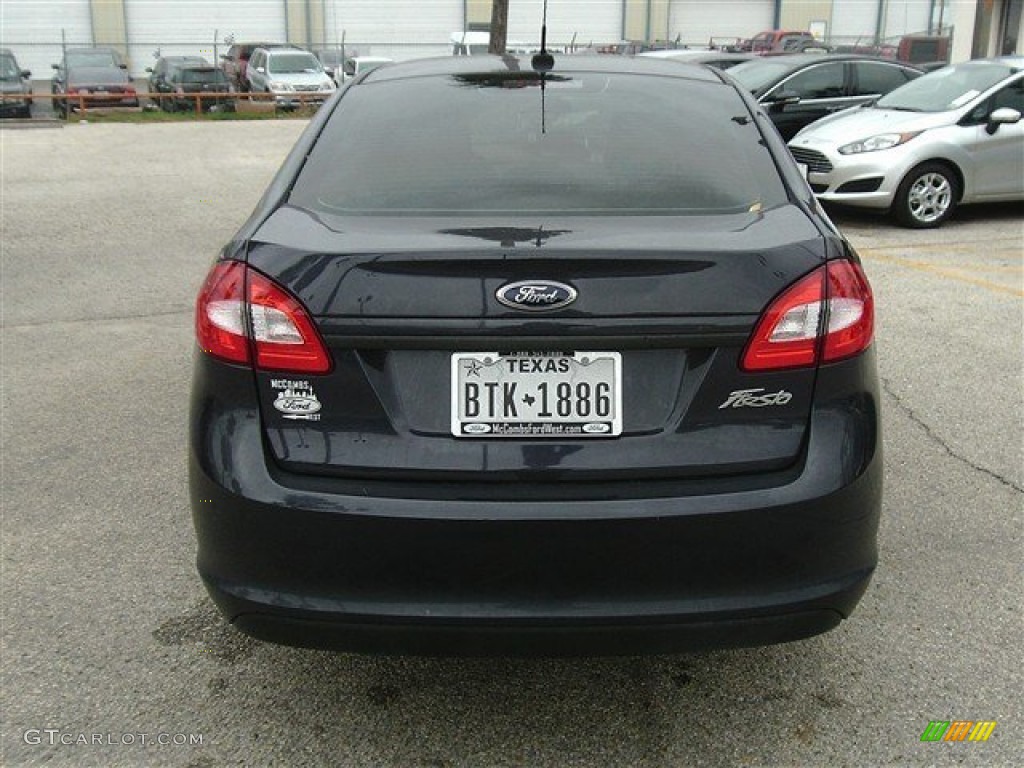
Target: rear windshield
{"type": "Point", "coordinates": [98, 76]}
{"type": "Point", "coordinates": [202, 76]}
{"type": "Point", "coordinates": [499, 143]}
{"type": "Point", "coordinates": [91, 59]}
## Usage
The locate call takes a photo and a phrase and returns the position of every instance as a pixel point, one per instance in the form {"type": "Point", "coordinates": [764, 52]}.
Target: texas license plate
{"type": "Point", "coordinates": [536, 394]}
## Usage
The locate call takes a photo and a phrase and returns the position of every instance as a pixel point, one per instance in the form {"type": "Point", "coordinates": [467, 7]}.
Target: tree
{"type": "Point", "coordinates": [499, 27]}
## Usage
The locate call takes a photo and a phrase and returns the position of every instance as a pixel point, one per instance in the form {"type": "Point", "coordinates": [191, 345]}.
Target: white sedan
{"type": "Point", "coordinates": [951, 137]}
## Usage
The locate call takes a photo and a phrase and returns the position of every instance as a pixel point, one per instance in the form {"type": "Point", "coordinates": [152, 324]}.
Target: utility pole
{"type": "Point", "coordinates": [499, 27]}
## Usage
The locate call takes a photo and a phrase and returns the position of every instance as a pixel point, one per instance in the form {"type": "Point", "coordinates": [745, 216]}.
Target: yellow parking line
{"type": "Point", "coordinates": [945, 246]}
{"type": "Point", "coordinates": [992, 267]}
{"type": "Point", "coordinates": [954, 249]}
{"type": "Point", "coordinates": [924, 266]}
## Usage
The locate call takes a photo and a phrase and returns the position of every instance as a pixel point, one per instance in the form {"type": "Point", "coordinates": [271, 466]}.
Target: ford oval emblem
{"type": "Point", "coordinates": [476, 429]}
{"type": "Point", "coordinates": [536, 295]}
{"type": "Point", "coordinates": [297, 404]}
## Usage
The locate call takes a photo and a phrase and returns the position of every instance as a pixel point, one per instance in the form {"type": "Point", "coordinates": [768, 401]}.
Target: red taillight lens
{"type": "Point", "coordinates": [788, 335]}
{"type": "Point", "coordinates": [283, 335]}
{"type": "Point", "coordinates": [220, 313]}
{"type": "Point", "coordinates": [851, 311]}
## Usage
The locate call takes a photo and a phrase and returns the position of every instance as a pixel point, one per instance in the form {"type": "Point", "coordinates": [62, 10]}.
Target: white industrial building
{"type": "Point", "coordinates": [36, 29]}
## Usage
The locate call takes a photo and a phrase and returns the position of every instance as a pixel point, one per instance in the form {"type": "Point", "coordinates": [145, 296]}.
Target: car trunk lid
{"type": "Point", "coordinates": [676, 297]}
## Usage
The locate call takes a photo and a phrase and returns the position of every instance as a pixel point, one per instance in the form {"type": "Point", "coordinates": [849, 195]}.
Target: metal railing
{"type": "Point", "coordinates": [82, 103]}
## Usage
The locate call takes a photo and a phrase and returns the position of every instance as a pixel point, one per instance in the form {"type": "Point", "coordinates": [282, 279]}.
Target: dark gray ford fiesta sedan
{"type": "Point", "coordinates": [553, 360]}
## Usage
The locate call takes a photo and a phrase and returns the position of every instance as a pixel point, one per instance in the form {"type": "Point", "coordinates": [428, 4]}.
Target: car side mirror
{"type": "Point", "coordinates": [149, 69]}
{"type": "Point", "coordinates": [123, 66]}
{"type": "Point", "coordinates": [261, 70]}
{"type": "Point", "coordinates": [55, 66]}
{"type": "Point", "coordinates": [329, 73]}
{"type": "Point", "coordinates": [26, 73]}
{"type": "Point", "coordinates": [1001, 116]}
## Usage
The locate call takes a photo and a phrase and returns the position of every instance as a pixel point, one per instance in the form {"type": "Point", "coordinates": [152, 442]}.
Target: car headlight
{"type": "Point", "coordinates": [277, 86]}
{"type": "Point", "coordinates": [326, 86]}
{"type": "Point", "coordinates": [876, 143]}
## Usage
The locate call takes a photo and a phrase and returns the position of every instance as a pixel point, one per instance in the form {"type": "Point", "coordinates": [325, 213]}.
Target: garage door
{"type": "Point", "coordinates": [696, 23]}
{"type": "Point", "coordinates": [32, 30]}
{"type": "Point", "coordinates": [187, 27]}
{"type": "Point", "coordinates": [909, 18]}
{"type": "Point", "coordinates": [398, 29]}
{"type": "Point", "coordinates": [852, 21]}
{"type": "Point", "coordinates": [596, 21]}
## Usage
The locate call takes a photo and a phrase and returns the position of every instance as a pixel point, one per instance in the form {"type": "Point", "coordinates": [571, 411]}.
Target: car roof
{"type": "Point", "coordinates": [1009, 61]}
{"type": "Point", "coordinates": [697, 56]}
{"type": "Point", "coordinates": [485, 64]}
{"type": "Point", "coordinates": [286, 48]}
{"type": "Point", "coordinates": [671, 53]}
{"type": "Point", "coordinates": [797, 60]}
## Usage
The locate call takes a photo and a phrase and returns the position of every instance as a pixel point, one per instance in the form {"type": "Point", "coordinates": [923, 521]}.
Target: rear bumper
{"type": "Point", "coordinates": [330, 566]}
{"type": "Point", "coordinates": [295, 99]}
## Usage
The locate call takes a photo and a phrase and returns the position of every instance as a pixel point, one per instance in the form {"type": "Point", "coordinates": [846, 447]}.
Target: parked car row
{"type": "Point", "coordinates": [884, 134]}
{"type": "Point", "coordinates": [97, 77]}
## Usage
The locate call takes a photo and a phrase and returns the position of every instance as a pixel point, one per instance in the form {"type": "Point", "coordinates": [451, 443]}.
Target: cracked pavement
{"type": "Point", "coordinates": [107, 232]}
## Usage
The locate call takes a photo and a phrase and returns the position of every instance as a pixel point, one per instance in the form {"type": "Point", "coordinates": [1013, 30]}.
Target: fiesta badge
{"type": "Point", "coordinates": [536, 295]}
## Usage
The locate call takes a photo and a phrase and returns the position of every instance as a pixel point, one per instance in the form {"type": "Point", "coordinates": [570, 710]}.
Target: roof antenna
{"type": "Point", "coordinates": [543, 61]}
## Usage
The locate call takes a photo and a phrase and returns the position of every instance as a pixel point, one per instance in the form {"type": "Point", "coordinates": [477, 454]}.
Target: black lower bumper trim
{"type": "Point", "coordinates": [537, 641]}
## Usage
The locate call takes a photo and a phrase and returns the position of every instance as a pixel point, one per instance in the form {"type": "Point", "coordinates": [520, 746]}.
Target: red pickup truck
{"type": "Point", "coordinates": [779, 41]}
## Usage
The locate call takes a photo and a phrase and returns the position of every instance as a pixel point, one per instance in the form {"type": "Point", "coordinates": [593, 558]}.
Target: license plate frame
{"type": "Point", "coordinates": [594, 397]}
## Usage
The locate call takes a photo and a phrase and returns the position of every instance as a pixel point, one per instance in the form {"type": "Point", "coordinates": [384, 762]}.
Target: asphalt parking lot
{"type": "Point", "coordinates": [107, 232]}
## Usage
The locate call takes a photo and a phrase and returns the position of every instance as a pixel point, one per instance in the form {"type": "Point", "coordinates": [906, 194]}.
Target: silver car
{"type": "Point", "coordinates": [951, 137]}
{"type": "Point", "coordinates": [294, 76]}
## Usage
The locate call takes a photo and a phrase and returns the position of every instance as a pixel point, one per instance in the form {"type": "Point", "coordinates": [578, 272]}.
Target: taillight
{"type": "Point", "coordinates": [285, 337]}
{"type": "Point", "coordinates": [789, 333]}
{"type": "Point", "coordinates": [220, 313]}
{"type": "Point", "coordinates": [282, 334]}
{"type": "Point", "coordinates": [851, 312]}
